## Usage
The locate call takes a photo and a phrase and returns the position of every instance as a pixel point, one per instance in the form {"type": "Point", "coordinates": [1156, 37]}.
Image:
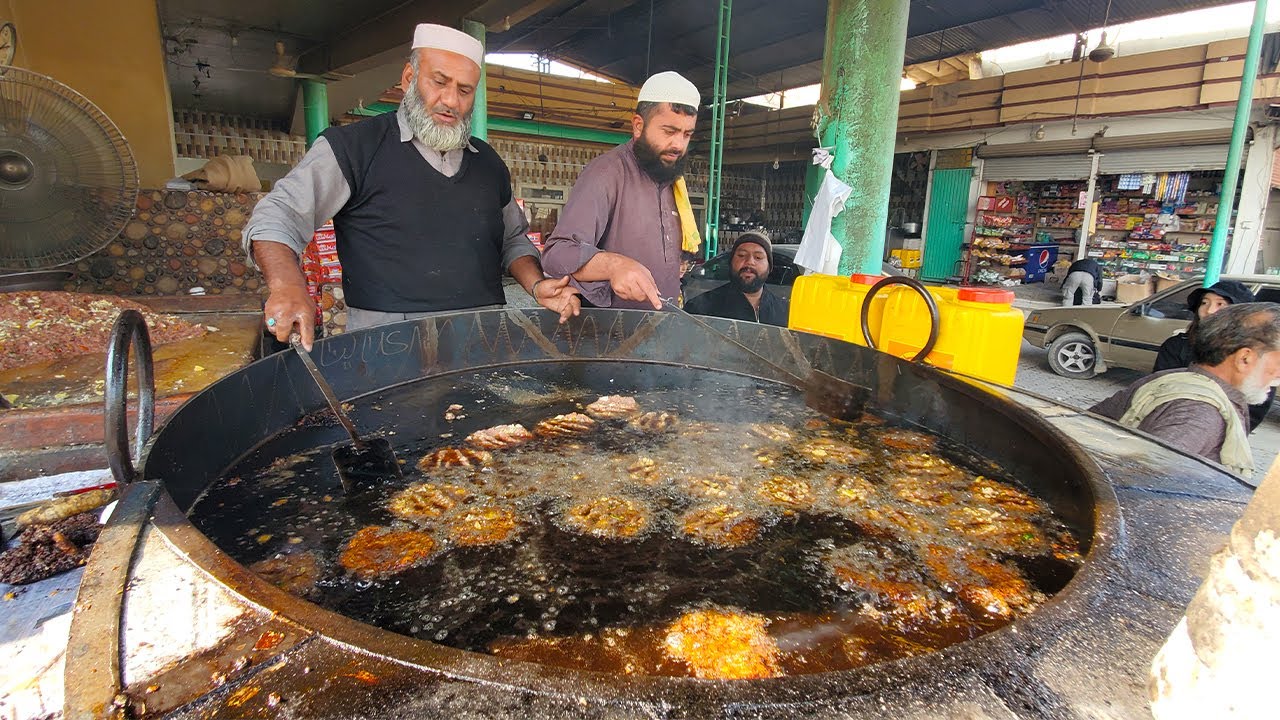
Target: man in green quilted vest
{"type": "Point", "coordinates": [1203, 409]}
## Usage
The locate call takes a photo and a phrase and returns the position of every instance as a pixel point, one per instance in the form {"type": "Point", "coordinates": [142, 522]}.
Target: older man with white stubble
{"type": "Point", "coordinates": [423, 213]}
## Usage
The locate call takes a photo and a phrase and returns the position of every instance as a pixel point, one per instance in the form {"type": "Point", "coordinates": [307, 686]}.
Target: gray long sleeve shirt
{"type": "Point", "coordinates": [615, 206]}
{"type": "Point", "coordinates": [315, 191]}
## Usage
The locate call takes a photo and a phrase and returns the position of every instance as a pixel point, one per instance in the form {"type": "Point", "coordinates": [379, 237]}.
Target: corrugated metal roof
{"type": "Point", "coordinates": [776, 45]}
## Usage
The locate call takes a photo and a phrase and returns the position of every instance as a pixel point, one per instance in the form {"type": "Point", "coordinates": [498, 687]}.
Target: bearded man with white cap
{"type": "Point", "coordinates": [423, 213]}
{"type": "Point", "coordinates": [628, 221]}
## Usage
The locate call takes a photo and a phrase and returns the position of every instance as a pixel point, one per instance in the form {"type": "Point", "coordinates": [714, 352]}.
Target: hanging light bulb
{"type": "Point", "coordinates": [1104, 51]}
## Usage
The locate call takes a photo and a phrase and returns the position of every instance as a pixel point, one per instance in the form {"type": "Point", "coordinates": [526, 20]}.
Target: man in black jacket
{"type": "Point", "coordinates": [745, 296]}
{"type": "Point", "coordinates": [1083, 284]}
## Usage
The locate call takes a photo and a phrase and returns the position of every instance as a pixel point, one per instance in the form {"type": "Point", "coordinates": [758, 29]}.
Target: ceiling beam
{"type": "Point", "coordinates": [384, 38]}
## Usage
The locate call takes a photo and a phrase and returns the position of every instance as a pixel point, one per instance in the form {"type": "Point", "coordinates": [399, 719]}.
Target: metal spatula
{"type": "Point", "coordinates": [823, 392]}
{"type": "Point", "coordinates": [365, 462]}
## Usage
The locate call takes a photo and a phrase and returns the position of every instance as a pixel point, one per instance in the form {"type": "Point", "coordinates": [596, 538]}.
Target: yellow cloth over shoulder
{"type": "Point", "coordinates": [690, 239]}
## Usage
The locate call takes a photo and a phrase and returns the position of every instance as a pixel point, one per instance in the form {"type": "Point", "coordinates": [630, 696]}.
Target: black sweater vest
{"type": "Point", "coordinates": [409, 238]}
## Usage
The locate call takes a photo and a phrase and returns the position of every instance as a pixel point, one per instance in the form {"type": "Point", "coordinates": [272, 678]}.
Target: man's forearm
{"type": "Point", "coordinates": [526, 271]}
{"type": "Point", "coordinates": [279, 265]}
{"type": "Point", "coordinates": [601, 266]}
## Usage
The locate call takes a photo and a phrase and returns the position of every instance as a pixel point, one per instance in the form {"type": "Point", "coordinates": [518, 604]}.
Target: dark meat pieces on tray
{"type": "Point", "coordinates": [46, 550]}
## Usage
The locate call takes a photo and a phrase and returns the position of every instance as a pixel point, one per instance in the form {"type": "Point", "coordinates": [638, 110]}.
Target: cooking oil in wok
{"type": "Point", "coordinates": [720, 530]}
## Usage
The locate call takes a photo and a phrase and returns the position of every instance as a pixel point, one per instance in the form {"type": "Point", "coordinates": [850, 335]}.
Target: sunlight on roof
{"type": "Point", "coordinates": [801, 96]}
{"type": "Point", "coordinates": [529, 61]}
{"type": "Point", "coordinates": [1195, 27]}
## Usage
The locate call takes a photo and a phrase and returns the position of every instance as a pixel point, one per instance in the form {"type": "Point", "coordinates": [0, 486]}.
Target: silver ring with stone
{"type": "Point", "coordinates": [271, 322]}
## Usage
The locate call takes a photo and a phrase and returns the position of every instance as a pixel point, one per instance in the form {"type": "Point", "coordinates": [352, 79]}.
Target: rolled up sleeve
{"type": "Point", "coordinates": [515, 238]}
{"type": "Point", "coordinates": [583, 222]}
{"type": "Point", "coordinates": [299, 203]}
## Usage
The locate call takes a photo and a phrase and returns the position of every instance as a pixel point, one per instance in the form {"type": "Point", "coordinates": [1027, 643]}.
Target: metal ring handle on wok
{"type": "Point", "coordinates": [928, 301]}
{"type": "Point", "coordinates": [130, 329]}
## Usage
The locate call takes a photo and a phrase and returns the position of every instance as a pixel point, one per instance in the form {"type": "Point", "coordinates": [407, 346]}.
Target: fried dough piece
{"type": "Point", "coordinates": [500, 437]}
{"type": "Point", "coordinates": [711, 487]}
{"type": "Point", "coordinates": [845, 490]}
{"type": "Point", "coordinates": [427, 501]}
{"type": "Point", "coordinates": [654, 422]}
{"type": "Point", "coordinates": [644, 469]}
{"type": "Point", "coordinates": [773, 432]}
{"type": "Point", "coordinates": [722, 526]}
{"type": "Point", "coordinates": [482, 525]}
{"type": "Point", "coordinates": [723, 645]}
{"type": "Point", "coordinates": [984, 586]}
{"type": "Point", "coordinates": [612, 517]}
{"type": "Point", "coordinates": [903, 439]}
{"type": "Point", "coordinates": [787, 492]}
{"type": "Point", "coordinates": [921, 492]}
{"type": "Point", "coordinates": [295, 573]}
{"type": "Point", "coordinates": [377, 552]}
{"type": "Point", "coordinates": [992, 529]}
{"type": "Point", "coordinates": [613, 407]}
{"type": "Point", "coordinates": [926, 464]}
{"type": "Point", "coordinates": [830, 450]}
{"type": "Point", "coordinates": [901, 597]}
{"type": "Point", "coordinates": [566, 425]}
{"type": "Point", "coordinates": [1004, 496]}
{"type": "Point", "coordinates": [887, 521]}
{"type": "Point", "coordinates": [452, 457]}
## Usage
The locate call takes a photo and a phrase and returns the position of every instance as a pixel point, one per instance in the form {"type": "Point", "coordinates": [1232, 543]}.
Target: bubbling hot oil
{"type": "Point", "coordinates": [729, 533]}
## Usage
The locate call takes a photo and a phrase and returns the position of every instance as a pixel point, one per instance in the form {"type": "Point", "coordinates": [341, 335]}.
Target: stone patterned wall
{"type": "Point", "coordinates": [175, 241]}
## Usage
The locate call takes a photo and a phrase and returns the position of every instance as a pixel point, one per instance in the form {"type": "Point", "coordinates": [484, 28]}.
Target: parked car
{"type": "Point", "coordinates": [715, 272]}
{"type": "Point", "coordinates": [1084, 340]}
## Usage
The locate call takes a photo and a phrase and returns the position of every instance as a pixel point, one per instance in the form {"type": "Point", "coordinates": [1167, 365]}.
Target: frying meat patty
{"type": "Point", "coordinates": [378, 552]}
{"type": "Point", "coordinates": [566, 425]}
{"type": "Point", "coordinates": [500, 437]}
{"type": "Point", "coordinates": [721, 526]}
{"type": "Point", "coordinates": [483, 525]}
{"type": "Point", "coordinates": [452, 457]}
{"type": "Point", "coordinates": [723, 645]}
{"type": "Point", "coordinates": [427, 501]}
{"type": "Point", "coordinates": [613, 407]}
{"type": "Point", "coordinates": [611, 517]}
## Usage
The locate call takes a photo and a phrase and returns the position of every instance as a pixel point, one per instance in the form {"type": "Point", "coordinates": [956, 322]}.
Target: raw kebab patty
{"type": "Point", "coordinates": [38, 326]}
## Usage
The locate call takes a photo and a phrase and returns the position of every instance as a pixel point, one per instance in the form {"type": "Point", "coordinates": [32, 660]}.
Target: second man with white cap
{"type": "Point", "coordinates": [423, 212]}
{"type": "Point", "coordinates": [622, 234]}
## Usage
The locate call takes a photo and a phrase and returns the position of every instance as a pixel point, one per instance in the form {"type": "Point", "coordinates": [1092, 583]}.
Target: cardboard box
{"type": "Point", "coordinates": [1133, 288]}
{"type": "Point", "coordinates": [1164, 282]}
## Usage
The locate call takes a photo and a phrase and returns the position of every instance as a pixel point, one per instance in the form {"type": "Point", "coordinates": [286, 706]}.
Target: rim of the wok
{"type": "Point", "coordinates": [1020, 639]}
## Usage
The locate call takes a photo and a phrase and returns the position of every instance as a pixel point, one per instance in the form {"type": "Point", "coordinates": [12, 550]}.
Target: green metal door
{"type": "Point", "coordinates": [948, 205]}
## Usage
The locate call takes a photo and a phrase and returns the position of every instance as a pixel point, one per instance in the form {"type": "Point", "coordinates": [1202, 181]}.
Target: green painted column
{"type": "Point", "coordinates": [1231, 176]}
{"type": "Point", "coordinates": [861, 81]}
{"type": "Point", "coordinates": [480, 113]}
{"type": "Point", "coordinates": [315, 108]}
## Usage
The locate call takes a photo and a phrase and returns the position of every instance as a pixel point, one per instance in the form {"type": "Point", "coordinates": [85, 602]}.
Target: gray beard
{"type": "Point", "coordinates": [441, 138]}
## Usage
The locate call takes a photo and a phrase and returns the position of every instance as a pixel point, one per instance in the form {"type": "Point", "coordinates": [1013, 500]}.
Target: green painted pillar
{"type": "Point", "coordinates": [480, 113]}
{"type": "Point", "coordinates": [1231, 177]}
{"type": "Point", "coordinates": [861, 81]}
{"type": "Point", "coordinates": [315, 108]}
{"type": "Point", "coordinates": [812, 181]}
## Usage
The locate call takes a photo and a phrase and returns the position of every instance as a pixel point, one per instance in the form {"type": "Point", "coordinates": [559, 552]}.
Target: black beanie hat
{"type": "Point", "coordinates": [1233, 291]}
{"type": "Point", "coordinates": [759, 239]}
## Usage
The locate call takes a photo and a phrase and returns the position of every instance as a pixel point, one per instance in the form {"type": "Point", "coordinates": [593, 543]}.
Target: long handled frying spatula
{"type": "Point", "coordinates": [364, 462]}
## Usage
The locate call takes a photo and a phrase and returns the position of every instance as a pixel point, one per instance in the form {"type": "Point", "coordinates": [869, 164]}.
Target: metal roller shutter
{"type": "Point", "coordinates": [1038, 167]}
{"type": "Point", "coordinates": [1174, 159]}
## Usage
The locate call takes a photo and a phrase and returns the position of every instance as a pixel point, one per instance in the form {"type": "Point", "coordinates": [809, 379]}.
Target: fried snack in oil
{"type": "Point", "coordinates": [711, 487]}
{"type": "Point", "coordinates": [376, 552]}
{"type": "Point", "coordinates": [1004, 496]}
{"type": "Point", "coordinates": [644, 470]}
{"type": "Point", "coordinates": [721, 526]}
{"type": "Point", "coordinates": [295, 573]}
{"type": "Point", "coordinates": [773, 432]}
{"type": "Point", "coordinates": [845, 490]}
{"type": "Point", "coordinates": [900, 595]}
{"type": "Point", "coordinates": [903, 439]}
{"type": "Point", "coordinates": [990, 528]}
{"type": "Point", "coordinates": [613, 407]}
{"type": "Point", "coordinates": [482, 525]}
{"type": "Point", "coordinates": [566, 425]}
{"type": "Point", "coordinates": [830, 450]}
{"type": "Point", "coordinates": [984, 586]}
{"type": "Point", "coordinates": [499, 437]}
{"type": "Point", "coordinates": [616, 518]}
{"type": "Point", "coordinates": [921, 492]}
{"type": "Point", "coordinates": [654, 422]}
{"type": "Point", "coordinates": [786, 492]}
{"type": "Point", "coordinates": [452, 457]}
{"type": "Point", "coordinates": [926, 464]}
{"type": "Point", "coordinates": [723, 645]}
{"type": "Point", "coordinates": [885, 520]}
{"type": "Point", "coordinates": [427, 501]}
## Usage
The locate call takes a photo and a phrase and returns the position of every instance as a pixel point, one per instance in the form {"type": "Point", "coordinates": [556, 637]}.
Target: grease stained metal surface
{"type": "Point", "coordinates": [1152, 518]}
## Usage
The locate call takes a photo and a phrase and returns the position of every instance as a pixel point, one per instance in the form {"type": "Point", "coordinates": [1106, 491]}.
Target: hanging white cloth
{"type": "Point", "coordinates": [819, 250]}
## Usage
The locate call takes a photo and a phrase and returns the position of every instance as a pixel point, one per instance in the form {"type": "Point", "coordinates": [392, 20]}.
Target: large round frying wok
{"type": "Point", "coordinates": [233, 417]}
